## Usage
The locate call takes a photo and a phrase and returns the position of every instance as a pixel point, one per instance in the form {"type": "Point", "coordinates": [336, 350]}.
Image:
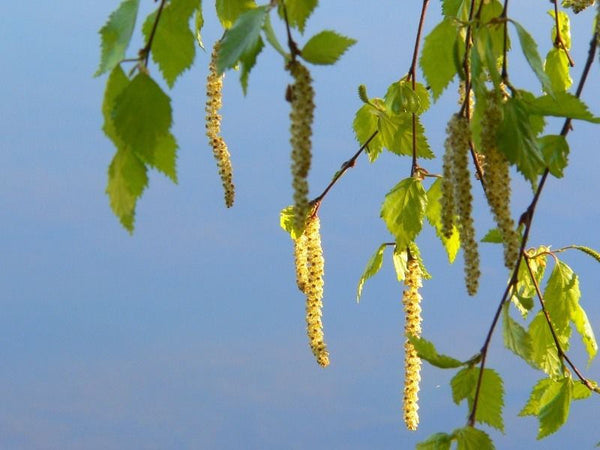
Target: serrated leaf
{"type": "Point", "coordinates": [400, 98]}
{"type": "Point", "coordinates": [580, 391]}
{"type": "Point", "coordinates": [533, 406]}
{"type": "Point", "coordinates": [437, 441]}
{"type": "Point", "coordinates": [426, 350]}
{"type": "Point", "coordinates": [555, 403]}
{"type": "Point", "coordinates": [562, 104]}
{"type": "Point", "coordinates": [516, 338]}
{"type": "Point", "coordinates": [450, 8]}
{"type": "Point", "coordinates": [117, 81]}
{"type": "Point", "coordinates": [561, 295]}
{"type": "Point", "coordinates": [396, 133]}
{"type": "Point", "coordinates": [373, 266]}
{"type": "Point", "coordinates": [469, 438]}
{"type": "Point", "coordinates": [326, 47]}
{"type": "Point", "coordinates": [529, 47]}
{"type": "Point", "coordinates": [116, 34]}
{"type": "Point", "coordinates": [522, 295]}
{"type": "Point", "coordinates": [141, 115]}
{"type": "Point", "coordinates": [433, 212]}
{"type": "Point", "coordinates": [557, 69]}
{"type": "Point", "coordinates": [272, 38]}
{"type": "Point", "coordinates": [241, 38]}
{"type": "Point", "coordinates": [584, 328]}
{"type": "Point", "coordinates": [565, 28]}
{"type": "Point", "coordinates": [400, 260]}
{"type": "Point", "coordinates": [403, 210]}
{"type": "Point", "coordinates": [173, 48]}
{"type": "Point", "coordinates": [543, 348]}
{"type": "Point", "coordinates": [165, 156]}
{"type": "Point", "coordinates": [229, 10]}
{"type": "Point", "coordinates": [248, 60]}
{"type": "Point", "coordinates": [298, 11]}
{"type": "Point", "coordinates": [127, 180]}
{"type": "Point", "coordinates": [516, 139]}
{"type": "Point", "coordinates": [491, 394]}
{"type": "Point", "coordinates": [198, 24]}
{"type": "Point", "coordinates": [364, 125]}
{"type": "Point", "coordinates": [493, 236]}
{"type": "Point", "coordinates": [287, 221]}
{"type": "Point", "coordinates": [555, 151]}
{"type": "Point", "coordinates": [437, 58]}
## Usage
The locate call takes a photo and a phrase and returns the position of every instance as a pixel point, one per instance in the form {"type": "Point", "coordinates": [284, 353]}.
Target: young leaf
{"type": "Point", "coordinates": [400, 260]}
{"type": "Point", "coordinates": [533, 405]}
{"type": "Point", "coordinates": [427, 351]}
{"type": "Point", "coordinates": [515, 336]}
{"type": "Point", "coordinates": [584, 328]}
{"type": "Point", "coordinates": [557, 69]}
{"type": "Point", "coordinates": [555, 151]}
{"type": "Point", "coordinates": [373, 266]}
{"type": "Point", "coordinates": [127, 180]}
{"type": "Point", "coordinates": [532, 56]}
{"type": "Point", "coordinates": [437, 57]}
{"type": "Point", "coordinates": [400, 98]}
{"type": "Point", "coordinates": [494, 236]}
{"type": "Point", "coordinates": [464, 383]}
{"type": "Point", "coordinates": [248, 60]}
{"type": "Point", "coordinates": [272, 38]}
{"type": "Point", "coordinates": [165, 156]}
{"type": "Point", "coordinates": [437, 441]}
{"type": "Point", "coordinates": [561, 296]}
{"type": "Point", "coordinates": [229, 10]}
{"type": "Point", "coordinates": [326, 47]}
{"type": "Point", "coordinates": [580, 390]}
{"type": "Point", "coordinates": [543, 348]}
{"type": "Point", "coordinates": [173, 46]}
{"type": "Point", "coordinates": [562, 104]}
{"type": "Point", "coordinates": [142, 114]}
{"type": "Point", "coordinates": [469, 438]}
{"type": "Point", "coordinates": [116, 34]}
{"type": "Point", "coordinates": [403, 210]}
{"type": "Point", "coordinates": [287, 221]}
{"type": "Point", "coordinates": [117, 81]}
{"type": "Point", "coordinates": [364, 125]}
{"type": "Point", "coordinates": [565, 27]}
{"type": "Point", "coordinates": [554, 406]}
{"type": "Point", "coordinates": [433, 212]}
{"type": "Point", "coordinates": [241, 38]}
{"type": "Point", "coordinates": [397, 132]}
{"type": "Point", "coordinates": [198, 24]}
{"type": "Point", "coordinates": [297, 11]}
{"type": "Point", "coordinates": [516, 138]}
{"type": "Point", "coordinates": [491, 394]}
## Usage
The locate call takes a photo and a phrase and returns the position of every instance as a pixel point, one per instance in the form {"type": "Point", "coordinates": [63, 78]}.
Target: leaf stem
{"type": "Point", "coordinates": [558, 42]}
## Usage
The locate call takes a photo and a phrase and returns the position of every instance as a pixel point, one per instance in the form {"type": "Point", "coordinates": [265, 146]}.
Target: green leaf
{"type": "Point", "coordinates": [326, 47]}
{"type": "Point", "coordinates": [397, 132]}
{"type": "Point", "coordinates": [561, 295]}
{"type": "Point", "coordinates": [437, 441]}
{"type": "Point", "coordinates": [404, 209]}
{"type": "Point", "coordinates": [127, 179]}
{"type": "Point", "coordinates": [427, 351]}
{"type": "Point", "coordinates": [516, 338]}
{"type": "Point", "coordinates": [198, 24]}
{"type": "Point", "coordinates": [562, 105]}
{"type": "Point", "coordinates": [141, 115]}
{"type": "Point", "coordinates": [565, 27]}
{"type": "Point", "coordinates": [287, 221]}
{"type": "Point", "coordinates": [522, 295]}
{"type": "Point", "coordinates": [493, 236]}
{"type": "Point", "coordinates": [437, 57]}
{"type": "Point", "coordinates": [491, 394]}
{"type": "Point", "coordinates": [298, 11]}
{"type": "Point", "coordinates": [584, 328]}
{"type": "Point", "coordinates": [555, 151]}
{"type": "Point", "coordinates": [173, 46]}
{"type": "Point", "coordinates": [241, 38]}
{"type": "Point", "coordinates": [529, 47]}
{"type": "Point", "coordinates": [373, 266]}
{"type": "Point", "coordinates": [543, 348]}
{"type": "Point", "coordinates": [557, 68]}
{"type": "Point", "coordinates": [555, 403]}
{"type": "Point", "coordinates": [228, 11]}
{"type": "Point", "coordinates": [116, 83]}
{"type": "Point", "coordinates": [433, 212]}
{"type": "Point", "coordinates": [516, 138]}
{"type": "Point", "coordinates": [165, 156]}
{"type": "Point", "coordinates": [400, 260]}
{"type": "Point", "coordinates": [533, 405]}
{"type": "Point", "coordinates": [248, 60]}
{"type": "Point", "coordinates": [400, 98]}
{"type": "Point", "coordinates": [450, 8]}
{"type": "Point", "coordinates": [272, 38]}
{"type": "Point", "coordinates": [116, 34]}
{"type": "Point", "coordinates": [589, 251]}
{"type": "Point", "coordinates": [364, 125]}
{"type": "Point", "coordinates": [580, 390]}
{"type": "Point", "coordinates": [469, 438]}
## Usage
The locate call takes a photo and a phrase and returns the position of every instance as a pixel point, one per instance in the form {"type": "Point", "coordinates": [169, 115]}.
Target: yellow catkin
{"type": "Point", "coordinates": [300, 260]}
{"type": "Point", "coordinates": [459, 136]}
{"type": "Point", "coordinates": [411, 299]}
{"type": "Point", "coordinates": [214, 101]}
{"type": "Point", "coordinates": [497, 179]}
{"type": "Point", "coordinates": [314, 291]}
{"type": "Point", "coordinates": [447, 200]}
{"type": "Point", "coordinates": [301, 95]}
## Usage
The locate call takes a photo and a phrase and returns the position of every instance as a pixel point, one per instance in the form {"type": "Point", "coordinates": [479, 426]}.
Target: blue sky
{"type": "Point", "coordinates": [190, 333]}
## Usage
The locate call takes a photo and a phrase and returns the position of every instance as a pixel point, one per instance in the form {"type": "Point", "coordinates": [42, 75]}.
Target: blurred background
{"type": "Point", "coordinates": [190, 333]}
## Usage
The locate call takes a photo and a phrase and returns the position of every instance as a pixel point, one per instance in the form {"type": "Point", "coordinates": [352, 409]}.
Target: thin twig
{"type": "Point", "coordinates": [145, 52]}
{"type": "Point", "coordinates": [559, 42]}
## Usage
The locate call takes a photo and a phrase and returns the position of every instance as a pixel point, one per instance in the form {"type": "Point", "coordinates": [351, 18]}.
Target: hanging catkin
{"type": "Point", "coordinates": [313, 288]}
{"type": "Point", "coordinates": [301, 261]}
{"type": "Point", "coordinates": [301, 96]}
{"type": "Point", "coordinates": [457, 158]}
{"type": "Point", "coordinates": [497, 179]}
{"type": "Point", "coordinates": [214, 101]}
{"type": "Point", "coordinates": [411, 299]}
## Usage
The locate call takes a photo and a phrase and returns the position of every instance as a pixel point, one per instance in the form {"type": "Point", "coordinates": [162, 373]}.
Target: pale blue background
{"type": "Point", "coordinates": [190, 333]}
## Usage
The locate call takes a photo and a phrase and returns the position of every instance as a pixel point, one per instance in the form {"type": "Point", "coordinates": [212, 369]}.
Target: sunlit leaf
{"type": "Point", "coordinates": [404, 209]}
{"type": "Point", "coordinates": [373, 266]}
{"type": "Point", "coordinates": [326, 47]}
{"type": "Point", "coordinates": [427, 351]}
